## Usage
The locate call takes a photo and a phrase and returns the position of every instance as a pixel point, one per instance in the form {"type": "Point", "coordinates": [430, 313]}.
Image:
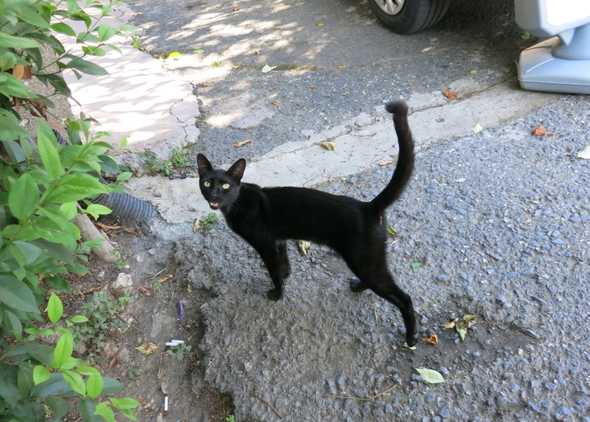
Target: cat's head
{"type": "Point", "coordinates": [220, 187]}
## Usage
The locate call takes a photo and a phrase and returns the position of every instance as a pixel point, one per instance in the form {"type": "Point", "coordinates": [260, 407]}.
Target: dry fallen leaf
{"type": "Point", "coordinates": [242, 143]}
{"type": "Point", "coordinates": [461, 325]}
{"type": "Point", "coordinates": [391, 231]}
{"type": "Point", "coordinates": [266, 68]}
{"type": "Point", "coordinates": [340, 66]}
{"type": "Point", "coordinates": [328, 145]}
{"type": "Point", "coordinates": [303, 246]}
{"type": "Point", "coordinates": [427, 49]}
{"type": "Point", "coordinates": [477, 128]}
{"type": "Point", "coordinates": [196, 225]}
{"type": "Point", "coordinates": [430, 376]}
{"type": "Point", "coordinates": [235, 7]}
{"type": "Point", "coordinates": [431, 339]}
{"type": "Point", "coordinates": [166, 278]}
{"type": "Point", "coordinates": [174, 55]}
{"type": "Point", "coordinates": [147, 348]}
{"type": "Point", "coordinates": [21, 71]}
{"type": "Point", "coordinates": [450, 324]}
{"type": "Point", "coordinates": [450, 95]}
{"type": "Point", "coordinates": [320, 23]}
{"type": "Point", "coordinates": [384, 163]}
{"type": "Point", "coordinates": [539, 131]}
{"type": "Point", "coordinates": [275, 103]}
{"type": "Point", "coordinates": [585, 153]}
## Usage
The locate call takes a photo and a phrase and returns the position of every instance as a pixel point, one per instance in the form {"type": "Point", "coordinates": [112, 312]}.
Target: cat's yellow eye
{"type": "Point", "coordinates": [206, 183]}
{"type": "Point", "coordinates": [225, 186]}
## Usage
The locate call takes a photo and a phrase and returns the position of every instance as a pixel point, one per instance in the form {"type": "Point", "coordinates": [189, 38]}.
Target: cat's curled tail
{"type": "Point", "coordinates": [405, 160]}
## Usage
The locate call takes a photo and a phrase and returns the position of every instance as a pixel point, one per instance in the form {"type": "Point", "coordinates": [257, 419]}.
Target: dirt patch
{"type": "Point", "coordinates": [132, 345]}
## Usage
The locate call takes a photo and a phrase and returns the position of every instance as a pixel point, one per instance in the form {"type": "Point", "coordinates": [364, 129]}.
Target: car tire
{"type": "Point", "coordinates": [409, 16]}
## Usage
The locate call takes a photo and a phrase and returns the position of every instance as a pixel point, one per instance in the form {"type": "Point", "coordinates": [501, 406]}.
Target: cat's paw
{"type": "Point", "coordinates": [357, 286]}
{"type": "Point", "coordinates": [274, 294]}
{"type": "Point", "coordinates": [411, 342]}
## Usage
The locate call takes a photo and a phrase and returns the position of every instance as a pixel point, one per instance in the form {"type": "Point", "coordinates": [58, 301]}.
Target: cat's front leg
{"type": "Point", "coordinates": [269, 252]}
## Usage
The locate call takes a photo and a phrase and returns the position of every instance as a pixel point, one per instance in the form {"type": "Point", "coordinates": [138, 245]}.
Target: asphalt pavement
{"type": "Point", "coordinates": [495, 222]}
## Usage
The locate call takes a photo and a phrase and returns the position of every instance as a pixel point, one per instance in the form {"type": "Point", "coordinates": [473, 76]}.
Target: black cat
{"type": "Point", "coordinates": [265, 217]}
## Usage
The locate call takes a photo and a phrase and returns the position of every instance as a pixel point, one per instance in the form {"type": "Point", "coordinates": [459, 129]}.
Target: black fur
{"type": "Point", "coordinates": [266, 217]}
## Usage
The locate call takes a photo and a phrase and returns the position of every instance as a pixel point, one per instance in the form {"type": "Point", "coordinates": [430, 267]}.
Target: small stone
{"type": "Point", "coordinates": [388, 408]}
{"type": "Point", "coordinates": [363, 119]}
{"type": "Point", "coordinates": [550, 386]}
{"type": "Point", "coordinates": [563, 412]}
{"type": "Point", "coordinates": [123, 281]}
{"type": "Point", "coordinates": [124, 355]}
{"type": "Point", "coordinates": [502, 300]}
{"type": "Point", "coordinates": [444, 413]}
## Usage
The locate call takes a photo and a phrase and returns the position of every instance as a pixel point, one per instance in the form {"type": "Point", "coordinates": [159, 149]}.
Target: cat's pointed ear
{"type": "Point", "coordinates": [203, 164]}
{"type": "Point", "coordinates": [237, 169]}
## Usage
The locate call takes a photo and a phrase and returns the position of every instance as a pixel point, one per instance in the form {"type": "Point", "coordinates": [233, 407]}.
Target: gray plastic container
{"type": "Point", "coordinates": [561, 63]}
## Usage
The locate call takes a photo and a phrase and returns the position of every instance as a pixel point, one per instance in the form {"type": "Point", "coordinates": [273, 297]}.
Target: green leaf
{"type": "Point", "coordinates": [8, 384]}
{"type": "Point", "coordinates": [104, 410]}
{"type": "Point", "coordinates": [125, 403]}
{"type": "Point", "coordinates": [416, 265]}
{"type": "Point", "coordinates": [7, 60]}
{"type": "Point", "coordinates": [54, 386]}
{"type": "Point", "coordinates": [23, 197]}
{"type": "Point", "coordinates": [79, 319]}
{"type": "Point", "coordinates": [12, 87]}
{"type": "Point", "coordinates": [69, 210]}
{"type": "Point", "coordinates": [63, 28]}
{"type": "Point", "coordinates": [25, 379]}
{"type": "Point", "coordinates": [129, 414]}
{"type": "Point", "coordinates": [63, 349]}
{"type": "Point", "coordinates": [112, 386]}
{"type": "Point", "coordinates": [9, 41]}
{"type": "Point", "coordinates": [9, 127]}
{"type": "Point", "coordinates": [75, 187]}
{"type": "Point", "coordinates": [31, 15]}
{"type": "Point", "coordinates": [58, 406]}
{"type": "Point", "coordinates": [15, 324]}
{"type": "Point", "coordinates": [87, 409]}
{"type": "Point", "coordinates": [55, 308]}
{"type": "Point", "coordinates": [70, 363]}
{"type": "Point", "coordinates": [29, 251]}
{"type": "Point", "coordinates": [86, 67]}
{"type": "Point", "coordinates": [75, 382]}
{"type": "Point", "coordinates": [96, 210]}
{"type": "Point", "coordinates": [22, 351]}
{"type": "Point", "coordinates": [87, 370]}
{"type": "Point", "coordinates": [94, 385]}
{"type": "Point", "coordinates": [430, 376]}
{"type": "Point", "coordinates": [40, 374]}
{"type": "Point", "coordinates": [105, 32]}
{"type": "Point", "coordinates": [17, 295]}
{"type": "Point", "coordinates": [48, 151]}
{"type": "Point", "coordinates": [94, 51]}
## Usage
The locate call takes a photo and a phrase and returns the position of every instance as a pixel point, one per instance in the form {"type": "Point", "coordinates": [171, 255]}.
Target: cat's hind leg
{"type": "Point", "coordinates": [382, 284]}
{"type": "Point", "coordinates": [285, 267]}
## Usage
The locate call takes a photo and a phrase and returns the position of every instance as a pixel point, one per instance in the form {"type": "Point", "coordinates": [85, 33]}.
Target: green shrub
{"type": "Point", "coordinates": [44, 185]}
{"type": "Point", "coordinates": [103, 317]}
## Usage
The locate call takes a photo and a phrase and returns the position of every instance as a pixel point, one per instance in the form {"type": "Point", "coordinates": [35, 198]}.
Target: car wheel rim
{"type": "Point", "coordinates": [391, 7]}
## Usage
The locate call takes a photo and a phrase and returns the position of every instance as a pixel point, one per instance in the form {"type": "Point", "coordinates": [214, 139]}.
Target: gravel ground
{"type": "Point", "coordinates": [495, 224]}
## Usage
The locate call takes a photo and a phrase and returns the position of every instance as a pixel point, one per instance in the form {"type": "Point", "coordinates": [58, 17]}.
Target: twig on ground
{"type": "Point", "coordinates": [274, 409]}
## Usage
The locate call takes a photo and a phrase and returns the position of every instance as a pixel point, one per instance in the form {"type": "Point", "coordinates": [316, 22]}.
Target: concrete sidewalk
{"type": "Point", "coordinates": [139, 102]}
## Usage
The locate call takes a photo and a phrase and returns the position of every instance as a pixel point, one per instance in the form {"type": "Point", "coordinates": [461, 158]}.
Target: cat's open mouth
{"type": "Point", "coordinates": [214, 205]}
